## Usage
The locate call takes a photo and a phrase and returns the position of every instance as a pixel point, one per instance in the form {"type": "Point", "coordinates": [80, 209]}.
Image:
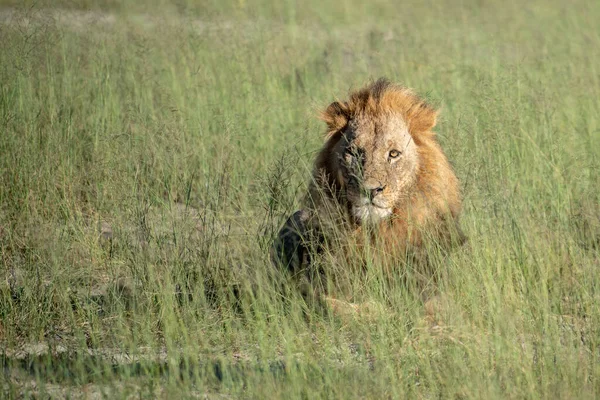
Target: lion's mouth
{"type": "Point", "coordinates": [370, 211]}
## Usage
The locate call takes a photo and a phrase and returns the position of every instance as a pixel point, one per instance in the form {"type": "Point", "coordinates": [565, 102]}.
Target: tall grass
{"type": "Point", "coordinates": [150, 150]}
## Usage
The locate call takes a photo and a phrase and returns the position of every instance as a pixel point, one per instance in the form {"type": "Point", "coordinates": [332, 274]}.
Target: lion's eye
{"type": "Point", "coordinates": [394, 154]}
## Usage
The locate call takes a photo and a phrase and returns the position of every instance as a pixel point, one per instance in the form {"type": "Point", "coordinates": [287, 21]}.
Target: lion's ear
{"type": "Point", "coordinates": [422, 117]}
{"type": "Point", "coordinates": [335, 116]}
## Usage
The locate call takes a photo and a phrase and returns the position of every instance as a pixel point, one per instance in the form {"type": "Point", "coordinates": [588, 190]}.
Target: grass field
{"type": "Point", "coordinates": [150, 150]}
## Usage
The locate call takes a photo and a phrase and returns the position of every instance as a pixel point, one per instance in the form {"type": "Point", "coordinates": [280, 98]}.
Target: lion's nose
{"type": "Point", "coordinates": [372, 189]}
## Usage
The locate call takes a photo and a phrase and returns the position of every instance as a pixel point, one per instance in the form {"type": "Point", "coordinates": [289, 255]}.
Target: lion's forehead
{"type": "Point", "coordinates": [376, 133]}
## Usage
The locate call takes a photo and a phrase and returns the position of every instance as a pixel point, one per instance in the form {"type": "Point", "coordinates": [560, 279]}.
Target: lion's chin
{"type": "Point", "coordinates": [370, 213]}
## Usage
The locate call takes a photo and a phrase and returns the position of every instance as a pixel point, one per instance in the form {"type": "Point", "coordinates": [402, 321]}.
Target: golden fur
{"type": "Point", "coordinates": [381, 179]}
{"type": "Point", "coordinates": [425, 201]}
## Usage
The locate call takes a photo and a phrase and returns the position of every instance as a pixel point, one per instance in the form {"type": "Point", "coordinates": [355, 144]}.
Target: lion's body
{"type": "Point", "coordinates": [382, 175]}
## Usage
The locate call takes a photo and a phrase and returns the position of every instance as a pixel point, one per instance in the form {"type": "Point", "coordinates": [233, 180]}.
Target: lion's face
{"type": "Point", "coordinates": [378, 162]}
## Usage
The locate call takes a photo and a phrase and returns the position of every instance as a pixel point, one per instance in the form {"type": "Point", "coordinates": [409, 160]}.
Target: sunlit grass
{"type": "Point", "coordinates": [149, 153]}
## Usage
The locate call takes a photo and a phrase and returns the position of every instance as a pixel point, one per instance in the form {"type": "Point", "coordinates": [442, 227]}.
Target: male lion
{"type": "Point", "coordinates": [381, 176]}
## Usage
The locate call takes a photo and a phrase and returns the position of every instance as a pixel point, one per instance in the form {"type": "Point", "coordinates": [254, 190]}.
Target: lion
{"type": "Point", "coordinates": [381, 176]}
